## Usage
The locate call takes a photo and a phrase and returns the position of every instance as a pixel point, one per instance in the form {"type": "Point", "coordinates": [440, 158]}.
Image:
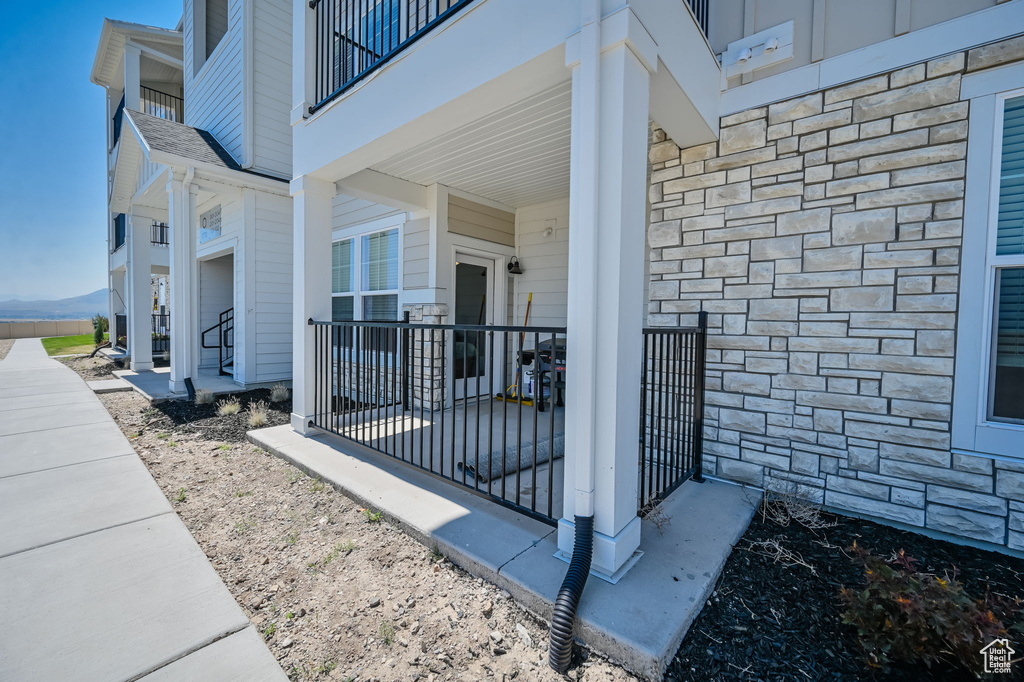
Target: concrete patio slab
{"type": "Point", "coordinates": [93, 496]}
{"type": "Point", "coordinates": [57, 447]}
{"type": "Point", "coordinates": [241, 657]}
{"type": "Point", "coordinates": [112, 605]}
{"type": "Point", "coordinates": [109, 386]}
{"type": "Point", "coordinates": [638, 622]}
{"type": "Point", "coordinates": [154, 384]}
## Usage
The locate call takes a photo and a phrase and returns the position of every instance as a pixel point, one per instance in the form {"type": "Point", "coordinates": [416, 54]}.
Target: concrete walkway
{"type": "Point", "coordinates": [638, 622]}
{"type": "Point", "coordinates": [99, 579]}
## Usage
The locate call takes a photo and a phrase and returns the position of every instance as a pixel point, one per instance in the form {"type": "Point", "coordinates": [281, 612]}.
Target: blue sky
{"type": "Point", "coordinates": [52, 140]}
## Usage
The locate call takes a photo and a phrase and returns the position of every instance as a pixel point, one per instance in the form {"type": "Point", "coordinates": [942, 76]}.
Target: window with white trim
{"type": "Point", "coordinates": [1005, 263]}
{"type": "Point", "coordinates": [364, 277]}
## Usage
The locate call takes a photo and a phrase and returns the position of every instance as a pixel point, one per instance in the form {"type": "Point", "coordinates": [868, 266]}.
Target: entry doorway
{"type": "Point", "coordinates": [474, 305]}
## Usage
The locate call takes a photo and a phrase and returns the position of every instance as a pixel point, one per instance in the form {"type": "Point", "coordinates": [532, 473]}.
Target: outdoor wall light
{"type": "Point", "coordinates": [513, 266]}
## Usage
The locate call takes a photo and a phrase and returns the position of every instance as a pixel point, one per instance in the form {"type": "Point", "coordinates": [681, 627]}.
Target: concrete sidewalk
{"type": "Point", "coordinates": [99, 577]}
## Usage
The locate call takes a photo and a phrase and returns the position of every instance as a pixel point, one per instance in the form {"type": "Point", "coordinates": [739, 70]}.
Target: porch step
{"type": "Point", "coordinates": [638, 622]}
{"type": "Point", "coordinates": [109, 385]}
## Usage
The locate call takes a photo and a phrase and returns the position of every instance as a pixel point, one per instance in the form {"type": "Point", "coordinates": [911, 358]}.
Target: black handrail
{"type": "Point", "coordinates": [160, 234]}
{"type": "Point", "coordinates": [161, 332]}
{"type": "Point", "coordinates": [225, 340]}
{"type": "Point", "coordinates": [161, 104]}
{"type": "Point", "coordinates": [355, 37]}
{"type": "Point", "coordinates": [671, 409]}
{"type": "Point", "coordinates": [450, 399]}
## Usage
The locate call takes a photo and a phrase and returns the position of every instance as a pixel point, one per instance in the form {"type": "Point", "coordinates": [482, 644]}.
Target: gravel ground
{"type": "Point", "coordinates": [92, 369]}
{"type": "Point", "coordinates": [781, 620]}
{"type": "Point", "coordinates": [5, 347]}
{"type": "Point", "coordinates": [338, 592]}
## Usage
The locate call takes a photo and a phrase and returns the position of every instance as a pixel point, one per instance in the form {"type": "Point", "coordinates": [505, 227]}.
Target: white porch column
{"type": "Point", "coordinates": [181, 219]}
{"type": "Point", "coordinates": [132, 77]}
{"type": "Point", "coordinates": [140, 299]}
{"type": "Point", "coordinates": [608, 209]}
{"type": "Point", "coordinates": [312, 201]}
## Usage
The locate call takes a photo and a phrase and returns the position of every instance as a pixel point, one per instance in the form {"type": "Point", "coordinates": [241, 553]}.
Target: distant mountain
{"type": "Point", "coordinates": [75, 308]}
{"type": "Point", "coordinates": [25, 297]}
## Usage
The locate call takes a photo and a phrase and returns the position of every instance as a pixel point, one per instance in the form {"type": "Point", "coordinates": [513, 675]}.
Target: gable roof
{"type": "Point", "coordinates": [177, 139]}
{"type": "Point", "coordinates": [112, 40]}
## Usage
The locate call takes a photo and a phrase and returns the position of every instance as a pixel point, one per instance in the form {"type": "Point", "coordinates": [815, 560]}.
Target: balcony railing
{"type": "Point", "coordinates": [161, 333]}
{"type": "Point", "coordinates": [160, 234]}
{"type": "Point", "coordinates": [161, 105]}
{"type": "Point", "coordinates": [354, 37]}
{"type": "Point", "coordinates": [701, 11]}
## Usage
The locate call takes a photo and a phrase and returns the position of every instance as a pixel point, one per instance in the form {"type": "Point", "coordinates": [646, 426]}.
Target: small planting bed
{"type": "Point", "coordinates": [5, 347]}
{"type": "Point", "coordinates": [93, 368]}
{"type": "Point", "coordinates": [776, 613]}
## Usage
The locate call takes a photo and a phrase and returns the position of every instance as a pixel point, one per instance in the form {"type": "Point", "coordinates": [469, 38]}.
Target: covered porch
{"type": "Point", "coordinates": [535, 175]}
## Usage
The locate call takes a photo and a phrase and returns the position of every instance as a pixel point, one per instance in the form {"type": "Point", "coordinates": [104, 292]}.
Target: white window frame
{"type": "Point", "coordinates": [973, 431]}
{"type": "Point", "coordinates": [356, 234]}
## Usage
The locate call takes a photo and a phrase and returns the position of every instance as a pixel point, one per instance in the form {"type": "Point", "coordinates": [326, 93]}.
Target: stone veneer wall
{"type": "Point", "coordinates": [822, 234]}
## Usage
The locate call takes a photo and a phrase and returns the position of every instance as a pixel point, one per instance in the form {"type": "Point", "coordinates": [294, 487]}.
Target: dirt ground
{"type": "Point", "coordinates": [92, 369]}
{"type": "Point", "coordinates": [337, 591]}
{"type": "Point", "coordinates": [5, 347]}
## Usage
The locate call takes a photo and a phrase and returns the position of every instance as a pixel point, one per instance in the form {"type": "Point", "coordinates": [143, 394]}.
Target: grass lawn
{"type": "Point", "coordinates": [69, 345]}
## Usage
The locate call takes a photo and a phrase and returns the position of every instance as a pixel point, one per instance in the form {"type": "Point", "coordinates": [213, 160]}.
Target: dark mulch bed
{"type": "Point", "coordinates": [202, 421]}
{"type": "Point", "coordinates": [772, 621]}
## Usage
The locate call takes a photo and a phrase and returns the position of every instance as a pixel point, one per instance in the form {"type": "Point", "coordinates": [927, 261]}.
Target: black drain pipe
{"type": "Point", "coordinates": [563, 620]}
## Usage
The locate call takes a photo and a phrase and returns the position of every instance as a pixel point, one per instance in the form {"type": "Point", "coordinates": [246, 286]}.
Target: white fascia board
{"type": "Point", "coordinates": [978, 28]}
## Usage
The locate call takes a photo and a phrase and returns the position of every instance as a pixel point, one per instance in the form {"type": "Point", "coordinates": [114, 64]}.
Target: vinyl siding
{"type": "Point", "coordinates": [273, 282]}
{"type": "Point", "coordinates": [471, 219]}
{"type": "Point", "coordinates": [416, 254]}
{"type": "Point", "coordinates": [348, 211]}
{"type": "Point", "coordinates": [545, 262]}
{"type": "Point", "coordinates": [213, 100]}
{"type": "Point", "coordinates": [272, 87]}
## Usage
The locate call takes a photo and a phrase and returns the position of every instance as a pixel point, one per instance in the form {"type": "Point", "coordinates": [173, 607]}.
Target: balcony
{"type": "Point", "coordinates": [355, 37]}
{"type": "Point", "coordinates": [161, 105]}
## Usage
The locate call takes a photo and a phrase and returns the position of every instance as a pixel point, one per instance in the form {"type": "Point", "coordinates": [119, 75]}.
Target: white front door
{"type": "Point", "coordinates": [474, 305]}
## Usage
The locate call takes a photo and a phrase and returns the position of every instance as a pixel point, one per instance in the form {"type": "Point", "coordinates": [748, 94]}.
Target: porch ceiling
{"type": "Point", "coordinates": [518, 156]}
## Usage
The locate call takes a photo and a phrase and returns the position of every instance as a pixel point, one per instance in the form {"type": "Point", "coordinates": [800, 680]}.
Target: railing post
{"type": "Point", "coordinates": [406, 362]}
{"type": "Point", "coordinates": [698, 409]}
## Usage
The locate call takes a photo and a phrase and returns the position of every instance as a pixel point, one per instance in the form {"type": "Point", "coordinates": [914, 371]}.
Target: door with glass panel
{"type": "Point", "coordinates": [474, 301]}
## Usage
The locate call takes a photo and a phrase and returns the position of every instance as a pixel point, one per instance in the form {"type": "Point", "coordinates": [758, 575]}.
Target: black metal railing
{"type": "Point", "coordinates": [701, 12]}
{"type": "Point", "coordinates": [161, 104]}
{"type": "Point", "coordinates": [428, 395]}
{"type": "Point", "coordinates": [120, 231]}
{"type": "Point", "coordinates": [161, 333]}
{"type": "Point", "coordinates": [671, 409]}
{"type": "Point", "coordinates": [118, 115]}
{"type": "Point", "coordinates": [225, 345]}
{"type": "Point", "coordinates": [160, 234]}
{"type": "Point", "coordinates": [120, 339]}
{"type": "Point", "coordinates": [354, 37]}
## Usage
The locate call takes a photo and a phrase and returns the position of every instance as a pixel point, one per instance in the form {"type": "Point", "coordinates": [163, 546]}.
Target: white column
{"type": "Point", "coordinates": [181, 219]}
{"type": "Point", "coordinates": [132, 77]}
{"type": "Point", "coordinates": [140, 298]}
{"type": "Point", "coordinates": [312, 201]}
{"type": "Point", "coordinates": [605, 303]}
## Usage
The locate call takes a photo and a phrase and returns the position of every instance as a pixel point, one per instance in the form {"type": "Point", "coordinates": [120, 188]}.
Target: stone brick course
{"type": "Point", "coordinates": [822, 235]}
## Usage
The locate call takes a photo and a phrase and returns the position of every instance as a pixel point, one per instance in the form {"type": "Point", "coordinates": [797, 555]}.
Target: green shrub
{"type": "Point", "coordinates": [100, 324]}
{"type": "Point", "coordinates": [905, 616]}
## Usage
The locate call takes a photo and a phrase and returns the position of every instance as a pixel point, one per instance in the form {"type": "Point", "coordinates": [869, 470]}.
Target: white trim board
{"type": "Point", "coordinates": [978, 28]}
